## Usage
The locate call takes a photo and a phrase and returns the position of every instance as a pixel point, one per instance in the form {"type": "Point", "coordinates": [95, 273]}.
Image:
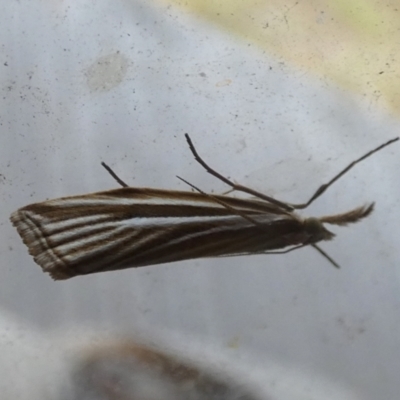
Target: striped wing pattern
{"type": "Point", "coordinates": [135, 227]}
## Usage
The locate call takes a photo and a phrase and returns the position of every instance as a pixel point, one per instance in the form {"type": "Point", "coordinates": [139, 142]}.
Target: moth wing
{"type": "Point", "coordinates": [132, 227]}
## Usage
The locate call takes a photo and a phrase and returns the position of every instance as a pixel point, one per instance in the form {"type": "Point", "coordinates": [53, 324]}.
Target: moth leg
{"type": "Point", "coordinates": [114, 175]}
{"type": "Point", "coordinates": [233, 185]}
{"type": "Point", "coordinates": [325, 186]}
{"type": "Point", "coordinates": [221, 202]}
{"type": "Point", "coordinates": [265, 252]}
{"type": "Point", "coordinates": [227, 192]}
{"type": "Point", "coordinates": [322, 252]}
{"type": "Point", "coordinates": [284, 251]}
{"type": "Point", "coordinates": [331, 260]}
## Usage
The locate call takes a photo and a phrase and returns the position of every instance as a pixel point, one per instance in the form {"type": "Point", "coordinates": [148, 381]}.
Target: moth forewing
{"type": "Point", "coordinates": [132, 227]}
{"type": "Point", "coordinates": [136, 227]}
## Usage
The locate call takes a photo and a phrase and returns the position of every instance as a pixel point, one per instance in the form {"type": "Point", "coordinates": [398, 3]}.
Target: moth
{"type": "Point", "coordinates": [136, 227]}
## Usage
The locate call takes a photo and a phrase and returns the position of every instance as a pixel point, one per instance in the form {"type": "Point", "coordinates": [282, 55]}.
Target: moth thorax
{"type": "Point", "coordinates": [316, 230]}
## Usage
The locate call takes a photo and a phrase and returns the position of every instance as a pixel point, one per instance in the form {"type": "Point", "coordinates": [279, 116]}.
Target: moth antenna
{"type": "Point", "coordinates": [325, 186]}
{"type": "Point", "coordinates": [349, 217]}
{"type": "Point", "coordinates": [114, 175]}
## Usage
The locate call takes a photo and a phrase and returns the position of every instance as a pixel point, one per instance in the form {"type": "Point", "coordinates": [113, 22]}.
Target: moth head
{"type": "Point", "coordinates": [316, 230]}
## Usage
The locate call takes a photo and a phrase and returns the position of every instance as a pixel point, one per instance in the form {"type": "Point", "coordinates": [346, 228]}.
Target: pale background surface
{"type": "Point", "coordinates": [121, 82]}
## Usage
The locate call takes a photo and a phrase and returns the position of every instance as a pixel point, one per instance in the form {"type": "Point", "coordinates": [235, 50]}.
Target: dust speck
{"type": "Point", "coordinates": [107, 72]}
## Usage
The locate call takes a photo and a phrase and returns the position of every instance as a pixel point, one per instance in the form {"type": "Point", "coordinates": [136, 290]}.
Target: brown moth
{"type": "Point", "coordinates": [136, 227]}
